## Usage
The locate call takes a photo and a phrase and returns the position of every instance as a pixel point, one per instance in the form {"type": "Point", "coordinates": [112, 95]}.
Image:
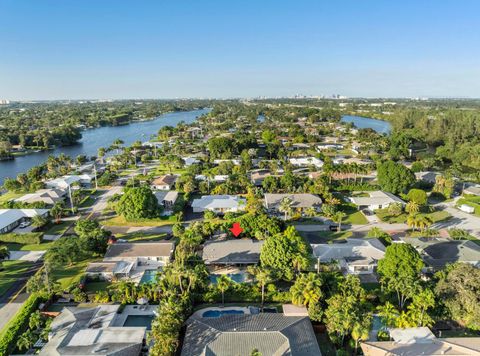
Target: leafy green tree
{"type": "Point", "coordinates": [394, 177]}
{"type": "Point", "coordinates": [93, 238]}
{"type": "Point", "coordinates": [418, 196]}
{"type": "Point", "coordinates": [338, 218]}
{"type": "Point", "coordinates": [286, 207]}
{"type": "Point", "coordinates": [4, 254]}
{"type": "Point", "coordinates": [458, 287]}
{"type": "Point", "coordinates": [400, 271]}
{"type": "Point", "coordinates": [281, 250]}
{"type": "Point", "coordinates": [348, 311]}
{"type": "Point", "coordinates": [307, 289]}
{"type": "Point", "coordinates": [412, 207]}
{"type": "Point", "coordinates": [138, 203]}
{"type": "Point", "coordinates": [26, 340]}
{"type": "Point", "coordinates": [65, 251]}
{"type": "Point", "coordinates": [262, 276]}
{"type": "Point", "coordinates": [36, 320]}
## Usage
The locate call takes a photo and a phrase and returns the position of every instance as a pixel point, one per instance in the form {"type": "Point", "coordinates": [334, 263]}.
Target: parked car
{"type": "Point", "coordinates": [333, 227]}
{"type": "Point", "coordinates": [24, 224]}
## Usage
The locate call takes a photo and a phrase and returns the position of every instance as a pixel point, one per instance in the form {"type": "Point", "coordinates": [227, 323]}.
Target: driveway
{"type": "Point", "coordinates": [31, 256]}
{"type": "Point", "coordinates": [459, 220]}
{"type": "Point", "coordinates": [102, 201]}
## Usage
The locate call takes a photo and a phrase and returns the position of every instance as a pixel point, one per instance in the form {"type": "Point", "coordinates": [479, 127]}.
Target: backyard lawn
{"type": "Point", "coordinates": [10, 272]}
{"type": "Point", "coordinates": [66, 275]}
{"type": "Point", "coordinates": [472, 201]}
{"type": "Point", "coordinates": [93, 287]}
{"type": "Point", "coordinates": [9, 196]}
{"type": "Point", "coordinates": [120, 221]}
{"type": "Point", "coordinates": [58, 229]}
{"type": "Point", "coordinates": [141, 237]}
{"type": "Point", "coordinates": [29, 247]}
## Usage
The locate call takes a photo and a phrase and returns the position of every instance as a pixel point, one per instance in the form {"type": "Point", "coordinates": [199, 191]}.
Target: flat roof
{"type": "Point", "coordinates": [140, 249]}
{"type": "Point", "coordinates": [232, 251]}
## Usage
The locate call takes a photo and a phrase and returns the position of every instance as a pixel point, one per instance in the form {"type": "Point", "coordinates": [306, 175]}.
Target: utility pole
{"type": "Point", "coordinates": [95, 171]}
{"type": "Point", "coordinates": [70, 196]}
{"type": "Point", "coordinates": [318, 265]}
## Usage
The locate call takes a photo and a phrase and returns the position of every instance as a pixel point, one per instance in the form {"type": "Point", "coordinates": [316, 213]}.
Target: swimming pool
{"type": "Point", "coordinates": [139, 320]}
{"type": "Point", "coordinates": [219, 313]}
{"type": "Point", "coordinates": [236, 277]}
{"type": "Point", "coordinates": [149, 276]}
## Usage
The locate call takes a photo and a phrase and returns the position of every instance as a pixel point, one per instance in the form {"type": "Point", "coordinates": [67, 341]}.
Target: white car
{"type": "Point", "coordinates": [24, 224]}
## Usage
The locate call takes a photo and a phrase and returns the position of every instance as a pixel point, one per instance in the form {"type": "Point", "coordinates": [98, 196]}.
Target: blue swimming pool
{"type": "Point", "coordinates": [139, 320]}
{"type": "Point", "coordinates": [219, 313]}
{"type": "Point", "coordinates": [149, 276]}
{"type": "Point", "coordinates": [236, 277]}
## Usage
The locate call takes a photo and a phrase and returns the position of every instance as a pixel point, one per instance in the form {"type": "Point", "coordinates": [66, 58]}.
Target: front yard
{"type": "Point", "coordinates": [120, 221]}
{"type": "Point", "coordinates": [10, 271]}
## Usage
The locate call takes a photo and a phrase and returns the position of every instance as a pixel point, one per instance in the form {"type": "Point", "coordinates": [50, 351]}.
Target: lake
{"type": "Point", "coordinates": [360, 122]}
{"type": "Point", "coordinates": [93, 139]}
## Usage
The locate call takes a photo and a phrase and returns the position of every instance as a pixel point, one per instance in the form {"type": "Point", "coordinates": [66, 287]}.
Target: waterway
{"type": "Point", "coordinates": [93, 139]}
{"type": "Point", "coordinates": [360, 122]}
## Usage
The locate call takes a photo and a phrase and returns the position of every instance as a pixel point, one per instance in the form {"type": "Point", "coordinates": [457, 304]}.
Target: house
{"type": "Point", "coordinates": [219, 204]}
{"type": "Point", "coordinates": [190, 160]}
{"type": "Point", "coordinates": [437, 253]}
{"type": "Point", "coordinates": [216, 178]}
{"type": "Point", "coordinates": [167, 199]}
{"type": "Point", "coordinates": [236, 162]}
{"type": "Point", "coordinates": [91, 331]}
{"type": "Point", "coordinates": [329, 146]}
{"type": "Point", "coordinates": [472, 189]}
{"type": "Point", "coordinates": [376, 200]}
{"type": "Point", "coordinates": [427, 176]}
{"type": "Point", "coordinates": [257, 176]}
{"type": "Point", "coordinates": [299, 201]}
{"type": "Point", "coordinates": [467, 208]}
{"type": "Point", "coordinates": [11, 218]}
{"type": "Point", "coordinates": [421, 341]}
{"type": "Point", "coordinates": [124, 259]}
{"type": "Point", "coordinates": [354, 256]}
{"type": "Point", "coordinates": [306, 161]}
{"type": "Point", "coordinates": [239, 334]}
{"type": "Point", "coordinates": [239, 252]}
{"type": "Point", "coordinates": [47, 196]}
{"type": "Point", "coordinates": [165, 182]}
{"type": "Point", "coordinates": [66, 181]}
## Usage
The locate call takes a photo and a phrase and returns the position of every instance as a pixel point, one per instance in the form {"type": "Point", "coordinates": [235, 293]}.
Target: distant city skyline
{"type": "Point", "coordinates": [56, 50]}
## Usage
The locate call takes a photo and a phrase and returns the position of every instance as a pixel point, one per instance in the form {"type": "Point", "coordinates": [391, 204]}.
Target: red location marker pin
{"type": "Point", "coordinates": [236, 229]}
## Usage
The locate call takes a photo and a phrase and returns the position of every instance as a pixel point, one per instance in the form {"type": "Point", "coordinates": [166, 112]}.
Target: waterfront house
{"type": "Point", "coordinates": [66, 181]}
{"type": "Point", "coordinates": [219, 204]}
{"type": "Point", "coordinates": [166, 199]}
{"type": "Point", "coordinates": [47, 196]}
{"type": "Point", "coordinates": [306, 162]}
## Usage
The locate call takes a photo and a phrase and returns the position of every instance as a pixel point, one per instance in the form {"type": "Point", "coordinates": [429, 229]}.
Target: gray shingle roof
{"type": "Point", "coordinates": [233, 335]}
{"type": "Point", "coordinates": [245, 251]}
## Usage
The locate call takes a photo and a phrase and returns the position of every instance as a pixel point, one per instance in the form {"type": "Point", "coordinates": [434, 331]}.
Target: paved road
{"type": "Point", "coordinates": [13, 299]}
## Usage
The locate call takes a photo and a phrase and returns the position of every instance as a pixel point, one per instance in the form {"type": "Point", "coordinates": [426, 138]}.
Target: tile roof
{"type": "Point", "coordinates": [232, 251]}
{"type": "Point", "coordinates": [140, 249]}
{"type": "Point", "coordinates": [232, 335]}
{"type": "Point", "coordinates": [273, 201]}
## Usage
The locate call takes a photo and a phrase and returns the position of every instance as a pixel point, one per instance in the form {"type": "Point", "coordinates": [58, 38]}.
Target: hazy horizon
{"type": "Point", "coordinates": [56, 50]}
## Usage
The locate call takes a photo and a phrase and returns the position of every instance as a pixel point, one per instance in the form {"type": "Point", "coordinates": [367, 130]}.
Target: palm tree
{"type": "Point", "coordinates": [39, 221]}
{"type": "Point", "coordinates": [286, 206]}
{"type": "Point", "coordinates": [310, 212]}
{"type": "Point", "coordinates": [361, 331]}
{"type": "Point", "coordinates": [338, 217]}
{"type": "Point", "coordinates": [307, 289]}
{"type": "Point", "coordinates": [412, 207]}
{"type": "Point", "coordinates": [4, 253]}
{"type": "Point", "coordinates": [57, 212]}
{"type": "Point", "coordinates": [223, 283]}
{"type": "Point", "coordinates": [263, 276]}
{"type": "Point", "coordinates": [26, 340]}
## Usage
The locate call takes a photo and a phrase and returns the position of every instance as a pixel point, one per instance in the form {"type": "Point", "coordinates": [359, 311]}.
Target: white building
{"type": "Point", "coordinates": [354, 256]}
{"type": "Point", "coordinates": [165, 182]}
{"type": "Point", "coordinates": [376, 200]}
{"type": "Point", "coordinates": [190, 160]}
{"type": "Point", "coordinates": [219, 204]}
{"type": "Point", "coordinates": [306, 161]}
{"type": "Point", "coordinates": [11, 218]}
{"type": "Point", "coordinates": [66, 181]}
{"type": "Point", "coordinates": [47, 196]}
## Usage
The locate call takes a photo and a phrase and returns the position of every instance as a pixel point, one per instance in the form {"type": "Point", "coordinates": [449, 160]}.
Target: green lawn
{"type": "Point", "coordinates": [29, 247]}
{"type": "Point", "coordinates": [93, 287]}
{"type": "Point", "coordinates": [141, 236]}
{"type": "Point", "coordinates": [58, 229]}
{"type": "Point", "coordinates": [383, 215]}
{"type": "Point", "coordinates": [66, 275]}
{"type": "Point", "coordinates": [9, 196]}
{"type": "Point", "coordinates": [437, 216]}
{"type": "Point", "coordinates": [472, 201]}
{"type": "Point", "coordinates": [10, 272]}
{"type": "Point", "coordinates": [354, 216]}
{"type": "Point", "coordinates": [120, 221]}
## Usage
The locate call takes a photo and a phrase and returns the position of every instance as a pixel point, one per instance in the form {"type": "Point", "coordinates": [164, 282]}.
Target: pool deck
{"type": "Point", "coordinates": [142, 310]}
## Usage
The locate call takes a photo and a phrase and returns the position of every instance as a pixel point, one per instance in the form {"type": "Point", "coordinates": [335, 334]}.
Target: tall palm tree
{"type": "Point", "coordinates": [4, 253]}
{"type": "Point", "coordinates": [26, 340]}
{"type": "Point", "coordinates": [286, 207]}
{"type": "Point", "coordinates": [412, 207]}
{"type": "Point", "coordinates": [262, 276]}
{"type": "Point", "coordinates": [338, 218]}
{"type": "Point", "coordinates": [223, 283]}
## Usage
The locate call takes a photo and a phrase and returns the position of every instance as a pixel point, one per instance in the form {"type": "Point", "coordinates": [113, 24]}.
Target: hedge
{"type": "Point", "coordinates": [18, 324]}
{"type": "Point", "coordinates": [24, 239]}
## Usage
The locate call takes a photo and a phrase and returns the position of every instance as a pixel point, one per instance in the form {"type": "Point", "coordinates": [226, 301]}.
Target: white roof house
{"type": "Point", "coordinates": [219, 203]}
{"type": "Point", "coordinates": [355, 256]}
{"type": "Point", "coordinates": [299, 201]}
{"type": "Point", "coordinates": [472, 189]}
{"type": "Point", "coordinates": [190, 160]}
{"type": "Point", "coordinates": [215, 178]}
{"type": "Point", "coordinates": [47, 196]}
{"type": "Point", "coordinates": [11, 218]}
{"type": "Point", "coordinates": [376, 200]}
{"type": "Point", "coordinates": [65, 181]}
{"type": "Point", "coordinates": [92, 331]}
{"type": "Point", "coordinates": [166, 198]}
{"type": "Point", "coordinates": [306, 161]}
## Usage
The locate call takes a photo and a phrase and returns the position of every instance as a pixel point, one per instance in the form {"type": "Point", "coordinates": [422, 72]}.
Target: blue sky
{"type": "Point", "coordinates": [185, 48]}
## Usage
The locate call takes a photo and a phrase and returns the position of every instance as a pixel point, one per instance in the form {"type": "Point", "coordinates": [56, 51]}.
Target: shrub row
{"type": "Point", "coordinates": [24, 239]}
{"type": "Point", "coordinates": [18, 324]}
